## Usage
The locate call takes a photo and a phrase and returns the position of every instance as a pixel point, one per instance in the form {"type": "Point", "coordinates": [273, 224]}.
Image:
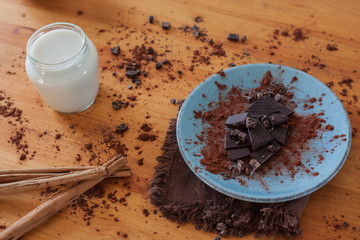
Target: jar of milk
{"type": "Point", "coordinates": [62, 63]}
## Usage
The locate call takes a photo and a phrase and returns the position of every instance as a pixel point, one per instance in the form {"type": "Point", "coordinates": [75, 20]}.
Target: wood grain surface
{"type": "Point", "coordinates": [124, 23]}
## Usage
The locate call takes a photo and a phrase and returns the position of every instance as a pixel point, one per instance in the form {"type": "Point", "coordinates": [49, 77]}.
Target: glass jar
{"type": "Point", "coordinates": [62, 63]}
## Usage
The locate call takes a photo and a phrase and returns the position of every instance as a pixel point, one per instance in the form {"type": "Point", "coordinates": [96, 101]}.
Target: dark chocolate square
{"type": "Point", "coordinates": [266, 152]}
{"type": "Point", "coordinates": [280, 133]}
{"type": "Point", "coordinates": [263, 106]}
{"type": "Point", "coordinates": [238, 153]}
{"type": "Point", "coordinates": [237, 120]}
{"type": "Point", "coordinates": [259, 136]}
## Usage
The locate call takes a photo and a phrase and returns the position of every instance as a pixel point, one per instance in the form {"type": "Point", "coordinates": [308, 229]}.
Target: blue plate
{"type": "Point", "coordinates": [247, 77]}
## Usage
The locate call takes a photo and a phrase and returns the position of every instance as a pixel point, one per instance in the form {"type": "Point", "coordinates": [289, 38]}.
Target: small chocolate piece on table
{"type": "Point", "coordinates": [280, 133]}
{"type": "Point", "coordinates": [165, 25]}
{"type": "Point", "coordinates": [116, 105]}
{"type": "Point", "coordinates": [233, 37]}
{"type": "Point", "coordinates": [121, 128]}
{"type": "Point", "coordinates": [264, 153]}
{"type": "Point", "coordinates": [115, 50]}
{"type": "Point", "coordinates": [238, 153]}
{"type": "Point", "coordinates": [237, 120]}
{"type": "Point", "coordinates": [158, 65]}
{"type": "Point", "coordinates": [259, 136]}
{"type": "Point", "coordinates": [132, 73]}
{"type": "Point", "coordinates": [151, 19]}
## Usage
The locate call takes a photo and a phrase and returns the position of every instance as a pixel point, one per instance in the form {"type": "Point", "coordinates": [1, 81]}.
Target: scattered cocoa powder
{"type": "Point", "coordinates": [147, 137]}
{"type": "Point", "coordinates": [146, 127]}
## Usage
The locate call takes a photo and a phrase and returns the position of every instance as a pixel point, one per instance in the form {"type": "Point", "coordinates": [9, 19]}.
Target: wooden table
{"type": "Point", "coordinates": [124, 23]}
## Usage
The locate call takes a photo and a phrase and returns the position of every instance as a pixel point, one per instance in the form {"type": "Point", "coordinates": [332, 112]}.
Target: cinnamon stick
{"type": "Point", "coordinates": [50, 207]}
{"type": "Point", "coordinates": [30, 184]}
{"type": "Point", "coordinates": [50, 170]}
{"type": "Point", "coordinates": [13, 175]}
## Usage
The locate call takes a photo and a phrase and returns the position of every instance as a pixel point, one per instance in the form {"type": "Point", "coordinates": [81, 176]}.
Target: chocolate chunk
{"type": "Point", "coordinates": [115, 50]}
{"type": "Point", "coordinates": [165, 61]}
{"type": "Point", "coordinates": [236, 120]}
{"type": "Point", "coordinates": [231, 143]}
{"type": "Point", "coordinates": [233, 37]}
{"type": "Point", "coordinates": [263, 106]}
{"type": "Point", "coordinates": [238, 153]}
{"type": "Point", "coordinates": [280, 133]}
{"type": "Point", "coordinates": [121, 128]}
{"type": "Point", "coordinates": [278, 118]}
{"type": "Point", "coordinates": [278, 97]}
{"type": "Point", "coordinates": [243, 39]}
{"type": "Point", "coordinates": [173, 101]}
{"type": "Point", "coordinates": [165, 25]}
{"type": "Point", "coordinates": [198, 19]}
{"type": "Point", "coordinates": [242, 137]}
{"type": "Point", "coordinates": [240, 166]}
{"type": "Point", "coordinates": [254, 164]}
{"type": "Point", "coordinates": [210, 41]}
{"type": "Point", "coordinates": [158, 65]}
{"type": "Point", "coordinates": [234, 134]}
{"type": "Point", "coordinates": [265, 120]}
{"type": "Point", "coordinates": [137, 81]}
{"type": "Point", "coordinates": [151, 51]}
{"type": "Point", "coordinates": [263, 154]}
{"type": "Point", "coordinates": [151, 19]}
{"type": "Point", "coordinates": [132, 73]}
{"type": "Point", "coordinates": [259, 136]}
{"type": "Point", "coordinates": [116, 105]}
{"type": "Point", "coordinates": [251, 122]}
{"type": "Point", "coordinates": [232, 64]}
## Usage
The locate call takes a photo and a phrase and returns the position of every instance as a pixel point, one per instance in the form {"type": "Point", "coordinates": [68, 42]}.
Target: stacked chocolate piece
{"type": "Point", "coordinates": [257, 133]}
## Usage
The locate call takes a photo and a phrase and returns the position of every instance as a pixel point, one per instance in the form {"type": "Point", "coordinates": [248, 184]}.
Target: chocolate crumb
{"type": "Point", "coordinates": [165, 25]}
{"type": "Point", "coordinates": [158, 65]}
{"type": "Point", "coordinates": [146, 212]}
{"type": "Point", "coordinates": [233, 37]}
{"type": "Point", "coordinates": [151, 19]}
{"type": "Point", "coordinates": [88, 146]}
{"type": "Point", "coordinates": [57, 136]}
{"type": "Point", "coordinates": [140, 162]}
{"type": "Point", "coordinates": [121, 128]}
{"type": "Point", "coordinates": [146, 127]}
{"type": "Point", "coordinates": [147, 137]}
{"type": "Point", "coordinates": [198, 19]}
{"type": "Point", "coordinates": [331, 47]}
{"type": "Point", "coordinates": [115, 50]}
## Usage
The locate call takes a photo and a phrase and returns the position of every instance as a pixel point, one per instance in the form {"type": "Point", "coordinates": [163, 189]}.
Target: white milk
{"type": "Point", "coordinates": [62, 63]}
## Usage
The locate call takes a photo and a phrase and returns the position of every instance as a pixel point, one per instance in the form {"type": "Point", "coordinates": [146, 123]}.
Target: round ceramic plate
{"type": "Point", "coordinates": [280, 188]}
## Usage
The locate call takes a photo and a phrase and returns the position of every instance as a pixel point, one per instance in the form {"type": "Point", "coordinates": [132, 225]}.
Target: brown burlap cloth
{"type": "Point", "coordinates": [182, 197]}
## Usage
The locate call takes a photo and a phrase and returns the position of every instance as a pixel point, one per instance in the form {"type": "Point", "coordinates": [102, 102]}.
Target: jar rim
{"type": "Point", "coordinates": [55, 26]}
